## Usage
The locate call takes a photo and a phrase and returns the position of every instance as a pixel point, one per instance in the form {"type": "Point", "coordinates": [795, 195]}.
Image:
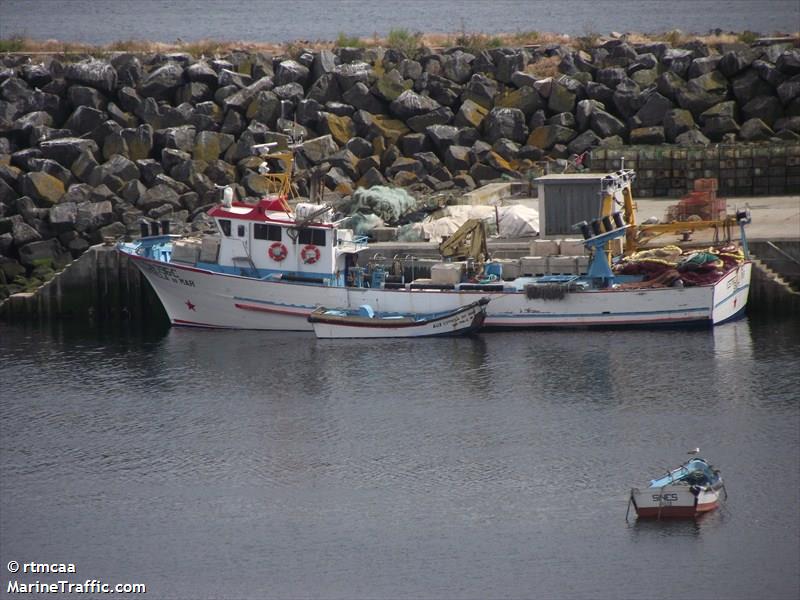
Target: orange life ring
{"type": "Point", "coordinates": [310, 254]}
{"type": "Point", "coordinates": [277, 251]}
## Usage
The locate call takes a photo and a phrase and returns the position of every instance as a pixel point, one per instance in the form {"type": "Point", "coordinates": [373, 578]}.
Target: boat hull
{"type": "Point", "coordinates": [202, 298]}
{"type": "Point", "coordinates": [461, 322]}
{"type": "Point", "coordinates": [674, 501]}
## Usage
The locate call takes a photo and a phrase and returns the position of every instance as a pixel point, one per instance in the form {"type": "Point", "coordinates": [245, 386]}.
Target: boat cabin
{"type": "Point", "coordinates": [269, 240]}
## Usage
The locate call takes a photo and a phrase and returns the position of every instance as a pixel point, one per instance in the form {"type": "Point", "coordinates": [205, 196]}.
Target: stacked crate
{"type": "Point", "coordinates": [702, 202]}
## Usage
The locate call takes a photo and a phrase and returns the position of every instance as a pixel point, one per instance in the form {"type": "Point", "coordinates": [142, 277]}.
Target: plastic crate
{"type": "Point", "coordinates": [706, 184]}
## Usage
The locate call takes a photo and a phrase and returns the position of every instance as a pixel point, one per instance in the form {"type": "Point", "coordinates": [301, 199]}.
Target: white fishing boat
{"type": "Point", "coordinates": [270, 266]}
{"type": "Point", "coordinates": [331, 323]}
{"type": "Point", "coordinates": [690, 490]}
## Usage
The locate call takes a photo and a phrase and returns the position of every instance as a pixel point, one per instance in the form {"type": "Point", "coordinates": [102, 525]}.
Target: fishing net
{"type": "Point", "coordinates": [387, 203]}
{"type": "Point", "coordinates": [665, 266]}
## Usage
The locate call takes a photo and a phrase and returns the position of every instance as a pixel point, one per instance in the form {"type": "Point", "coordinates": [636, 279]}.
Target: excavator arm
{"type": "Point", "coordinates": [469, 241]}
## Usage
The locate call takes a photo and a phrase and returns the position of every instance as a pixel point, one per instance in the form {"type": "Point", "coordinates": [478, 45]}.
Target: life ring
{"type": "Point", "coordinates": [277, 251]}
{"type": "Point", "coordinates": [310, 254]}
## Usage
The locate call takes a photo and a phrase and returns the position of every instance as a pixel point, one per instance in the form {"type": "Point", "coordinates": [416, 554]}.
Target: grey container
{"type": "Point", "coordinates": [567, 199]}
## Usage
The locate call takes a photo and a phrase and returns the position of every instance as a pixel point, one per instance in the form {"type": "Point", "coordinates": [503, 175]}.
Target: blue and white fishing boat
{"type": "Point", "coordinates": [270, 266]}
{"type": "Point", "coordinates": [364, 323]}
{"type": "Point", "coordinates": [690, 490]}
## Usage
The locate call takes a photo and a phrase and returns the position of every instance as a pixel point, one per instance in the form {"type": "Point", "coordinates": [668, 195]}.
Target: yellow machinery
{"type": "Point", "coordinates": [469, 241]}
{"type": "Point", "coordinates": [616, 190]}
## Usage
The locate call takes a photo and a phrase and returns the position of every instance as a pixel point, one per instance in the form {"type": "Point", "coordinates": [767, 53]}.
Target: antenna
{"type": "Point", "coordinates": [262, 148]}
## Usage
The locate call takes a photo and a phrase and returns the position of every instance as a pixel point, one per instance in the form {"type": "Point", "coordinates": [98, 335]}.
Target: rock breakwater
{"type": "Point", "coordinates": [89, 148]}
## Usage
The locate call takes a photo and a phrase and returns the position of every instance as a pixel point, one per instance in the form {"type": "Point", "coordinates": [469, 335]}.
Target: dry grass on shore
{"type": "Point", "coordinates": [397, 38]}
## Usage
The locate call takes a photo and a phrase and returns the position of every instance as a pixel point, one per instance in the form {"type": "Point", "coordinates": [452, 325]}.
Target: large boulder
{"type": "Point", "coordinates": [583, 142]}
{"type": "Point", "coordinates": [471, 114]}
{"type": "Point", "coordinates": [678, 61]}
{"type": "Point", "coordinates": [22, 233]}
{"type": "Point", "coordinates": [605, 124]}
{"type": "Point", "coordinates": [505, 123]}
{"type": "Point", "coordinates": [43, 188]}
{"type": "Point", "coordinates": [715, 128]}
{"type": "Point", "coordinates": [388, 128]}
{"type": "Point", "coordinates": [63, 216]}
{"type": "Point", "coordinates": [239, 101]}
{"type": "Point", "coordinates": [547, 136]}
{"type": "Point", "coordinates": [458, 66]}
{"type": "Point", "coordinates": [507, 62]}
{"type": "Point", "coordinates": [561, 99]}
{"type": "Point", "coordinates": [653, 111]}
{"type": "Point", "coordinates": [341, 128]}
{"type": "Point", "coordinates": [748, 85]}
{"type": "Point", "coordinates": [440, 116]}
{"type": "Point", "coordinates": [347, 75]}
{"type": "Point", "coordinates": [390, 85]}
{"type": "Point", "coordinates": [162, 82]}
{"type": "Point", "coordinates": [291, 71]}
{"type": "Point", "coordinates": [361, 98]}
{"type": "Point", "coordinates": [85, 120]}
{"type": "Point", "coordinates": [209, 145]}
{"type": "Point", "coordinates": [265, 107]}
{"type": "Point", "coordinates": [410, 104]}
{"type": "Point", "coordinates": [318, 149]}
{"type": "Point", "coordinates": [647, 135]}
{"type": "Point", "coordinates": [93, 215]}
{"type": "Point", "coordinates": [526, 99]}
{"type": "Point", "coordinates": [789, 90]}
{"type": "Point", "coordinates": [442, 136]}
{"type": "Point", "coordinates": [45, 252]}
{"type": "Point", "coordinates": [457, 158]}
{"type": "Point", "coordinates": [755, 130]}
{"type": "Point", "coordinates": [129, 69]}
{"type": "Point", "coordinates": [676, 122]}
{"type": "Point", "coordinates": [481, 90]}
{"type": "Point", "coordinates": [158, 195]}
{"type": "Point", "coordinates": [789, 62]}
{"type": "Point", "coordinates": [81, 95]}
{"type": "Point", "coordinates": [733, 63]}
{"type": "Point", "coordinates": [766, 108]}
{"type": "Point", "coordinates": [139, 141]}
{"type": "Point", "coordinates": [93, 73]}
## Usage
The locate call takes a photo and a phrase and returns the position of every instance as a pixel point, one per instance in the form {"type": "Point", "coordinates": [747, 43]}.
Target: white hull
{"type": "Point", "coordinates": [674, 501]}
{"type": "Point", "coordinates": [196, 297]}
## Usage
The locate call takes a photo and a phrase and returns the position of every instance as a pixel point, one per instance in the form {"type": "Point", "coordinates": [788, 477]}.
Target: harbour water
{"type": "Point", "coordinates": [270, 465]}
{"type": "Point", "coordinates": [106, 21]}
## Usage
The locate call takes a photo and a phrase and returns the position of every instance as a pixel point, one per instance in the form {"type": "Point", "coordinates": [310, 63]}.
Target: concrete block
{"type": "Point", "coordinates": [384, 234]}
{"type": "Point", "coordinates": [545, 247]}
{"type": "Point", "coordinates": [572, 247]}
{"type": "Point", "coordinates": [533, 265]}
{"type": "Point", "coordinates": [209, 250]}
{"type": "Point", "coordinates": [186, 251]}
{"type": "Point", "coordinates": [447, 273]}
{"type": "Point", "coordinates": [564, 265]}
{"type": "Point", "coordinates": [510, 267]}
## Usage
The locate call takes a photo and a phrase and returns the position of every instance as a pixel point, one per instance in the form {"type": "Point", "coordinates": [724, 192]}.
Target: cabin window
{"type": "Point", "coordinates": [267, 232]}
{"type": "Point", "coordinates": [312, 236]}
{"type": "Point", "coordinates": [225, 225]}
{"type": "Point", "coordinates": [240, 230]}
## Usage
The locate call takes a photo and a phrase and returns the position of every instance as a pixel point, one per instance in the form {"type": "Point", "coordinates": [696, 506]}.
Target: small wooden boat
{"type": "Point", "coordinates": [691, 490]}
{"type": "Point", "coordinates": [364, 323]}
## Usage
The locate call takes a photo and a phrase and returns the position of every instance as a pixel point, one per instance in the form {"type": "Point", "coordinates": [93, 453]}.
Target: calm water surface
{"type": "Point", "coordinates": [270, 465]}
{"type": "Point", "coordinates": [104, 21]}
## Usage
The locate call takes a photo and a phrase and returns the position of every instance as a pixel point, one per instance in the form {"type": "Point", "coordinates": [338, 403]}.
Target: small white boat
{"type": "Point", "coordinates": [691, 490]}
{"type": "Point", "coordinates": [332, 323]}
